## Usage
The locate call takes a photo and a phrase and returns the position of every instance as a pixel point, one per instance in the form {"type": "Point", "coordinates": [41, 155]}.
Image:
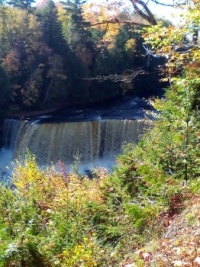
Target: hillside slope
{"type": "Point", "coordinates": [179, 245]}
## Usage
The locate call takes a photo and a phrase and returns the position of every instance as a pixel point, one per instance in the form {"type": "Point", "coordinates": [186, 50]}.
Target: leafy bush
{"type": "Point", "coordinates": [44, 215]}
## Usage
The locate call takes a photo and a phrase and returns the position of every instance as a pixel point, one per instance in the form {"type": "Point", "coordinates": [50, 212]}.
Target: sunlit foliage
{"type": "Point", "coordinates": [58, 218]}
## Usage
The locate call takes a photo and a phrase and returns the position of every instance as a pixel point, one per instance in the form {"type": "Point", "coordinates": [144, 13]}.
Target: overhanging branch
{"type": "Point", "coordinates": [147, 15]}
{"type": "Point", "coordinates": [116, 21]}
{"type": "Point", "coordinates": [162, 4]}
{"type": "Point", "coordinates": [126, 77]}
{"type": "Point", "coordinates": [169, 5]}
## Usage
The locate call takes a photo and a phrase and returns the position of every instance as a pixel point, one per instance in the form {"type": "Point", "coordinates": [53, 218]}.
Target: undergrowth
{"type": "Point", "coordinates": [57, 218]}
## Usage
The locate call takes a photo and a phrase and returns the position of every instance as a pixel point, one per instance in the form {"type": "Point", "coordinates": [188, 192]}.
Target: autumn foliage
{"type": "Point", "coordinates": [145, 212]}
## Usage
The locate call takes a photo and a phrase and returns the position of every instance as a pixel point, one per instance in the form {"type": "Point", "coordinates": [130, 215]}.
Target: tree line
{"type": "Point", "coordinates": [67, 53]}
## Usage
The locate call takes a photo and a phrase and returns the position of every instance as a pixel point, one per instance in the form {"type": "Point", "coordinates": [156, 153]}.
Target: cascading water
{"type": "Point", "coordinates": [93, 135]}
{"type": "Point", "coordinates": [51, 142]}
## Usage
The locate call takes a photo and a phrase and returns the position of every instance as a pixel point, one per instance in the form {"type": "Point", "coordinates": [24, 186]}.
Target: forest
{"type": "Point", "coordinates": [59, 54]}
{"type": "Point", "coordinates": [146, 211]}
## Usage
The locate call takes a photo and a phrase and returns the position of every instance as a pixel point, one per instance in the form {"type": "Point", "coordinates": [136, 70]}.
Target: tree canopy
{"type": "Point", "coordinates": [56, 54]}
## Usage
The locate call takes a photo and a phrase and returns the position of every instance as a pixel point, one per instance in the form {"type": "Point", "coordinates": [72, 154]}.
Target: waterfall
{"type": "Point", "coordinates": [51, 142]}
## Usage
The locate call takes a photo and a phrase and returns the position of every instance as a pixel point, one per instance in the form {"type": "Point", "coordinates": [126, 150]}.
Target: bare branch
{"type": "Point", "coordinates": [162, 4]}
{"type": "Point", "coordinates": [147, 15]}
{"type": "Point", "coordinates": [126, 77]}
{"type": "Point", "coordinates": [115, 21]}
{"type": "Point", "coordinates": [140, 8]}
{"type": "Point", "coordinates": [169, 5]}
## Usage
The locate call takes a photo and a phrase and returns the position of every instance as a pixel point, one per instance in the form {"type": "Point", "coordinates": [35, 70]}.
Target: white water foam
{"type": "Point", "coordinates": [5, 164]}
{"type": "Point", "coordinates": [97, 143]}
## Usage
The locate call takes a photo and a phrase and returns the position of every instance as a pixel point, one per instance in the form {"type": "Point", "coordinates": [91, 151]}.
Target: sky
{"type": "Point", "coordinates": [165, 12]}
{"type": "Point", "coordinates": [160, 11]}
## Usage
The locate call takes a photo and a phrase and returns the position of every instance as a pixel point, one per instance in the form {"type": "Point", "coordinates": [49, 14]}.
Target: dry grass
{"type": "Point", "coordinates": [178, 246]}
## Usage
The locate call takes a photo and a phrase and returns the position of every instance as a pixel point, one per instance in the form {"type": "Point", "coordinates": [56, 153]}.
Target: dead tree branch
{"type": "Point", "coordinates": [115, 21]}
{"type": "Point", "coordinates": [126, 77]}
